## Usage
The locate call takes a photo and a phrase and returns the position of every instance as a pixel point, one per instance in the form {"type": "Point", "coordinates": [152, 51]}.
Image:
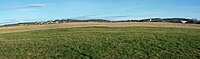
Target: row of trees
{"type": "Point", "coordinates": [56, 21]}
{"type": "Point", "coordinates": [173, 20]}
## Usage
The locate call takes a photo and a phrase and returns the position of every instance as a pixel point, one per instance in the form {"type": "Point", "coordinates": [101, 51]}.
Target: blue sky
{"type": "Point", "coordinates": [14, 11]}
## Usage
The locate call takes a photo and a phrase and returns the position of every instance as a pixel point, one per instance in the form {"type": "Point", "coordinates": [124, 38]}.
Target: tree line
{"type": "Point", "coordinates": [172, 20]}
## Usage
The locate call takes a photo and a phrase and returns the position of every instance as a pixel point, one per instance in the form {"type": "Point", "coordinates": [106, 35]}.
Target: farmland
{"type": "Point", "coordinates": [101, 41]}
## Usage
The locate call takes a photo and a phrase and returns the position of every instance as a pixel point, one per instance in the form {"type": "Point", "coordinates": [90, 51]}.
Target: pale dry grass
{"type": "Point", "coordinates": [88, 24]}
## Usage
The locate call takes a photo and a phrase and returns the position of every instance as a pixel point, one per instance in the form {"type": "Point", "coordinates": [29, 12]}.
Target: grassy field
{"type": "Point", "coordinates": [89, 24]}
{"type": "Point", "coordinates": [101, 41]}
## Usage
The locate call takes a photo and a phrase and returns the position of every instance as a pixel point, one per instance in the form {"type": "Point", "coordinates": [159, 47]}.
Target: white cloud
{"type": "Point", "coordinates": [36, 5]}
{"type": "Point", "coordinates": [24, 7]}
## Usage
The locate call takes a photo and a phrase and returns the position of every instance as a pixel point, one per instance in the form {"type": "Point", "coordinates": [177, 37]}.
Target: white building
{"type": "Point", "coordinates": [183, 22]}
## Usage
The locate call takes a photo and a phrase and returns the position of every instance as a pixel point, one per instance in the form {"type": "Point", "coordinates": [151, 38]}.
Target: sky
{"type": "Point", "coordinates": [15, 11]}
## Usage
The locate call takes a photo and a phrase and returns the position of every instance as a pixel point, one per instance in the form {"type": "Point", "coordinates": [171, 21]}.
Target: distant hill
{"type": "Point", "coordinates": [172, 20]}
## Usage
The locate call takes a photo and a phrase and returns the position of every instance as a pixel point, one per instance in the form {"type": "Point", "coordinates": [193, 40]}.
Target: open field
{"type": "Point", "coordinates": [88, 24]}
{"type": "Point", "coordinates": [101, 41]}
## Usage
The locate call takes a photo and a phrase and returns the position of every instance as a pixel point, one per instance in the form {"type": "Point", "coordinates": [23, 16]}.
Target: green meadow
{"type": "Point", "coordinates": [102, 43]}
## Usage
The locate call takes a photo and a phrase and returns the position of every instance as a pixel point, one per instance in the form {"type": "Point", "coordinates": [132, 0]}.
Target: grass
{"type": "Point", "coordinates": [102, 43]}
{"type": "Point", "coordinates": [88, 24]}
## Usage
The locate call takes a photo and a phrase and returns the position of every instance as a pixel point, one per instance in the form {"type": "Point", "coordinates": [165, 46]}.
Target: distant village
{"type": "Point", "coordinates": [171, 20]}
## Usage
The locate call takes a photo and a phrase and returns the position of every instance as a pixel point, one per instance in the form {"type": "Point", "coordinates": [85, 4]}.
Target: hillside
{"type": "Point", "coordinates": [101, 40]}
{"type": "Point", "coordinates": [88, 24]}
